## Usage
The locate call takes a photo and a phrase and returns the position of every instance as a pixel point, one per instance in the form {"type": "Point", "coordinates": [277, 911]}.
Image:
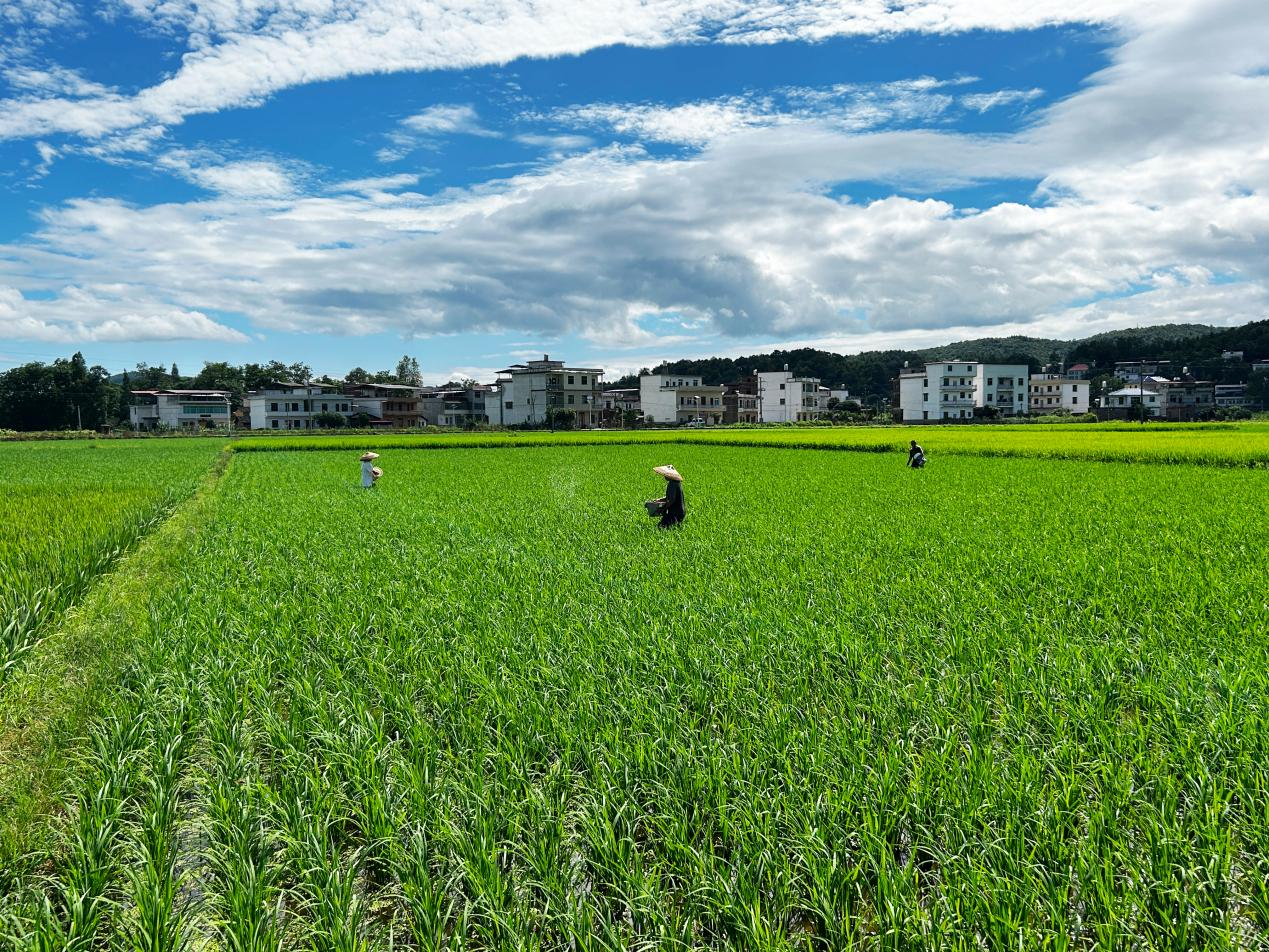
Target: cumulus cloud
{"type": "Point", "coordinates": [242, 53]}
{"type": "Point", "coordinates": [243, 178]}
{"type": "Point", "coordinates": [1155, 174]}
{"type": "Point", "coordinates": [106, 314]}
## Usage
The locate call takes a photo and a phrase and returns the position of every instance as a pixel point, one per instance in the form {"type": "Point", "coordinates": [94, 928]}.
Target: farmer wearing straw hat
{"type": "Point", "coordinates": [673, 508]}
{"type": "Point", "coordinates": [369, 471]}
{"type": "Point", "coordinates": [916, 455]}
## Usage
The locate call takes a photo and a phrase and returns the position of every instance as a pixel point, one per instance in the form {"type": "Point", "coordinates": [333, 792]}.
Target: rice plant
{"type": "Point", "coordinates": [998, 703]}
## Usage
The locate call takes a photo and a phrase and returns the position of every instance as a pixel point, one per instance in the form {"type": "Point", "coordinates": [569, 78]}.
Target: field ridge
{"type": "Point", "coordinates": [50, 701]}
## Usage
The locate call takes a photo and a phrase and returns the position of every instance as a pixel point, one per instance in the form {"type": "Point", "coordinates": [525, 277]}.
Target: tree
{"type": "Point", "coordinates": [359, 420]}
{"type": "Point", "coordinates": [407, 372]}
{"type": "Point", "coordinates": [329, 420]}
{"type": "Point", "coordinates": [174, 373]}
{"type": "Point", "coordinates": [357, 375]}
{"type": "Point", "coordinates": [1258, 389]}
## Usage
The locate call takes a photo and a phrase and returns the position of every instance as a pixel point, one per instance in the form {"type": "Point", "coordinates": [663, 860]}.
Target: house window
{"type": "Point", "coordinates": [583, 380]}
{"type": "Point", "coordinates": [508, 404]}
{"type": "Point", "coordinates": [1075, 398]}
{"type": "Point", "coordinates": [925, 398]}
{"type": "Point", "coordinates": [782, 399]}
{"type": "Point", "coordinates": [1002, 381]}
{"type": "Point", "coordinates": [323, 408]}
{"type": "Point", "coordinates": [949, 368]}
{"type": "Point", "coordinates": [274, 422]}
{"type": "Point", "coordinates": [782, 387]}
{"type": "Point", "coordinates": [570, 398]}
{"type": "Point", "coordinates": [570, 378]}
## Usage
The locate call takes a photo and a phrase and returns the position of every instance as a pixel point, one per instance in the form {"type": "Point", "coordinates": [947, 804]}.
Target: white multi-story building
{"type": "Point", "coordinates": [1053, 392]}
{"type": "Point", "coordinates": [287, 405]}
{"type": "Point", "coordinates": [955, 389]}
{"type": "Point", "coordinates": [528, 393]}
{"type": "Point", "coordinates": [680, 398]}
{"type": "Point", "coordinates": [179, 409]}
{"type": "Point", "coordinates": [784, 398]}
{"type": "Point", "coordinates": [1133, 399]}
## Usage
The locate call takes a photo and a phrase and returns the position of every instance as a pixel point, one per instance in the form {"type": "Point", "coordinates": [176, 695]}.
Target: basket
{"type": "Point", "coordinates": [655, 507]}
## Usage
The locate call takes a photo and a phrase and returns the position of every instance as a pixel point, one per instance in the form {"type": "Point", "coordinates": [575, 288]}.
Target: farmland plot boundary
{"type": "Point", "coordinates": [49, 703]}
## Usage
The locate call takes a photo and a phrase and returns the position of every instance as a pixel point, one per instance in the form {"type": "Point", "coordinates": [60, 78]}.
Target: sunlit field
{"type": "Point", "coordinates": [997, 703]}
{"type": "Point", "coordinates": [1214, 444]}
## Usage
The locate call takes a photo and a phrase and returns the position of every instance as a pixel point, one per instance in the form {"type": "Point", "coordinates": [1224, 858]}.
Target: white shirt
{"type": "Point", "coordinates": [367, 474]}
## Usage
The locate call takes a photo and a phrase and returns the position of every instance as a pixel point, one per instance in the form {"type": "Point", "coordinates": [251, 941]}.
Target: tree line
{"type": "Point", "coordinates": [68, 394]}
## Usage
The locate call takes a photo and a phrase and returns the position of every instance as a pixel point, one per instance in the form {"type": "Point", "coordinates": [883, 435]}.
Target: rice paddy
{"type": "Point", "coordinates": [997, 703]}
{"type": "Point", "coordinates": [67, 511]}
{"type": "Point", "coordinates": [1209, 444]}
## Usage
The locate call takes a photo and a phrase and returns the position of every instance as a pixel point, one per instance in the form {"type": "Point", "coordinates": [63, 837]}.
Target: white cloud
{"type": "Point", "coordinates": [982, 102]}
{"type": "Point", "coordinates": [446, 120]}
{"type": "Point", "coordinates": [1155, 174]}
{"type": "Point", "coordinates": [108, 314]}
{"type": "Point", "coordinates": [243, 52]}
{"type": "Point", "coordinates": [847, 106]}
{"type": "Point", "coordinates": [247, 178]}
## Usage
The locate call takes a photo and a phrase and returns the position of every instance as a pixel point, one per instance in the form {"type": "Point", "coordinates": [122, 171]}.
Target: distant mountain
{"type": "Point", "coordinates": [1197, 347]}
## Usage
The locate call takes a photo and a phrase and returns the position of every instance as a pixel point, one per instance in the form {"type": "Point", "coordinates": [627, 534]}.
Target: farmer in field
{"type": "Point", "coordinates": [369, 471]}
{"type": "Point", "coordinates": [916, 455]}
{"type": "Point", "coordinates": [673, 509]}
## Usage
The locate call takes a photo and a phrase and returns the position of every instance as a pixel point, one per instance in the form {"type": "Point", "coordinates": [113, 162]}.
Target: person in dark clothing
{"type": "Point", "coordinates": [916, 455]}
{"type": "Point", "coordinates": [674, 509]}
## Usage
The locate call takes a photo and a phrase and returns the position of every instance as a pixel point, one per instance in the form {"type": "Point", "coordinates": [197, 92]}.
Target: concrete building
{"type": "Point", "coordinates": [388, 404]}
{"type": "Point", "coordinates": [1230, 395]}
{"type": "Point", "coordinates": [680, 398]}
{"type": "Point", "coordinates": [740, 406]}
{"type": "Point", "coordinates": [614, 405]}
{"type": "Point", "coordinates": [526, 393]}
{"type": "Point", "coordinates": [1187, 399]}
{"type": "Point", "coordinates": [290, 405]}
{"type": "Point", "coordinates": [1137, 369]}
{"type": "Point", "coordinates": [784, 398]}
{"type": "Point", "coordinates": [179, 409]}
{"type": "Point", "coordinates": [1130, 400]}
{"type": "Point", "coordinates": [1053, 392]}
{"type": "Point", "coordinates": [457, 406]}
{"type": "Point", "coordinates": [955, 389]}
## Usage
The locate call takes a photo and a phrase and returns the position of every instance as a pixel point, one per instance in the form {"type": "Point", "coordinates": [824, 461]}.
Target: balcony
{"type": "Point", "coordinates": [956, 402]}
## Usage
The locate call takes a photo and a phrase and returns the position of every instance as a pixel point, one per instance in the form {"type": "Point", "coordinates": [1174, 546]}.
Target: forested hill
{"type": "Point", "coordinates": [869, 374]}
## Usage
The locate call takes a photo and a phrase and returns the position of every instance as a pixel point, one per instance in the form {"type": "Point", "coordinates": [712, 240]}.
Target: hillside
{"type": "Point", "coordinates": [869, 374]}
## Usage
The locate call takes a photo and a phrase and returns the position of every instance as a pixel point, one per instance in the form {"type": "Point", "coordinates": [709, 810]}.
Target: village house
{"type": "Point", "coordinates": [389, 405]}
{"type": "Point", "coordinates": [1052, 393]}
{"type": "Point", "coordinates": [680, 398]}
{"type": "Point", "coordinates": [527, 393]}
{"type": "Point", "coordinates": [291, 405]}
{"type": "Point", "coordinates": [956, 389]}
{"type": "Point", "coordinates": [785, 398]}
{"type": "Point", "coordinates": [180, 409]}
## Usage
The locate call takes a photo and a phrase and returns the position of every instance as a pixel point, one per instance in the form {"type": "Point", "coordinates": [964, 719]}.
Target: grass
{"type": "Point", "coordinates": [1214, 444]}
{"type": "Point", "coordinates": [996, 703]}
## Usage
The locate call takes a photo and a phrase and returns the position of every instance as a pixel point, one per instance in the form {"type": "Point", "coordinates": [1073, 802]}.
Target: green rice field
{"type": "Point", "coordinates": [1211, 444]}
{"type": "Point", "coordinates": [1010, 701]}
{"type": "Point", "coordinates": [67, 511]}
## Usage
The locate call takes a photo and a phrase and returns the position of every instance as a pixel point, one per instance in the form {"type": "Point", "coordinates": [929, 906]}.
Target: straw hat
{"type": "Point", "coordinates": [376, 471]}
{"type": "Point", "coordinates": [668, 471]}
{"type": "Point", "coordinates": [367, 457]}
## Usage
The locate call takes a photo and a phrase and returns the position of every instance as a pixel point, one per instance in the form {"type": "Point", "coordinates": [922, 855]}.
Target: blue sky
{"type": "Point", "coordinates": [618, 183]}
